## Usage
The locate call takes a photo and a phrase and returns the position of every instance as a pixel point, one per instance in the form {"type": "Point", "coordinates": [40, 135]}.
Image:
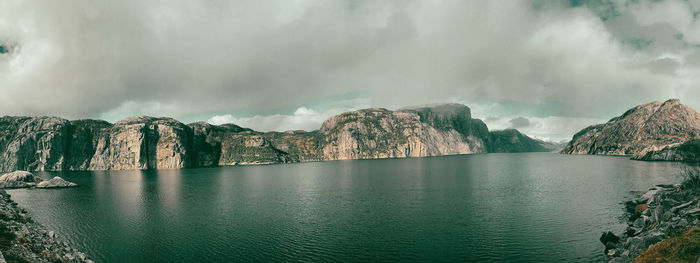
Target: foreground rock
{"type": "Point", "coordinates": [24, 179]}
{"type": "Point", "coordinates": [643, 128]}
{"type": "Point", "coordinates": [56, 182]}
{"type": "Point", "coordinates": [661, 212]}
{"type": "Point", "coordinates": [23, 240]}
{"type": "Point", "coordinates": [17, 179]}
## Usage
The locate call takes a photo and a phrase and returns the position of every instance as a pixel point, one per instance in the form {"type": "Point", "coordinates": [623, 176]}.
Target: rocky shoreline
{"type": "Point", "coordinates": [23, 240]}
{"type": "Point", "coordinates": [661, 212]}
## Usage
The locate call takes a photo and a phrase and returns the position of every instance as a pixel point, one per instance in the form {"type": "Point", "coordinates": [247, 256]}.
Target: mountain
{"type": "Point", "coordinates": [56, 144]}
{"type": "Point", "coordinates": [641, 129]}
{"type": "Point", "coordinates": [511, 140]}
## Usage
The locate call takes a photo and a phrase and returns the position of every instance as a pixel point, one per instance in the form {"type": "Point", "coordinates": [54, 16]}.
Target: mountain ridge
{"type": "Point", "coordinates": [144, 142]}
{"type": "Point", "coordinates": [643, 128]}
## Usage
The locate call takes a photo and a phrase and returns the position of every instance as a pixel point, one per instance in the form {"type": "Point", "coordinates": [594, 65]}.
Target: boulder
{"type": "Point", "coordinates": [56, 182]}
{"type": "Point", "coordinates": [609, 237]}
{"type": "Point", "coordinates": [17, 179]}
{"type": "Point", "coordinates": [640, 208]}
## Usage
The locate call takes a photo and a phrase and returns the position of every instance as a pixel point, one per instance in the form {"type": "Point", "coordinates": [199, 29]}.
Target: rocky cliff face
{"type": "Point", "coordinates": [36, 144]}
{"type": "Point", "coordinates": [679, 152]}
{"type": "Point", "coordinates": [143, 143]}
{"type": "Point", "coordinates": [511, 140]}
{"type": "Point", "coordinates": [380, 133]}
{"type": "Point", "coordinates": [52, 144]}
{"type": "Point", "coordinates": [655, 124]}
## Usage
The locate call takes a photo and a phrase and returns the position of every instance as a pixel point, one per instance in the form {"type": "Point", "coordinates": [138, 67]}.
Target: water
{"type": "Point", "coordinates": [491, 207]}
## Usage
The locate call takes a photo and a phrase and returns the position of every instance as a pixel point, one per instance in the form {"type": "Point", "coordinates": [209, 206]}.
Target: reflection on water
{"type": "Point", "coordinates": [492, 207]}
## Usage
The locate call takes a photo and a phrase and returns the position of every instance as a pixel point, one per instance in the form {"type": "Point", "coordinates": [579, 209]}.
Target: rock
{"type": "Point", "coordinates": [655, 124]}
{"type": "Point", "coordinates": [639, 223]}
{"type": "Point", "coordinates": [688, 151]}
{"type": "Point", "coordinates": [684, 205]}
{"type": "Point", "coordinates": [667, 186]}
{"type": "Point", "coordinates": [693, 212]}
{"type": "Point", "coordinates": [653, 238]}
{"type": "Point", "coordinates": [17, 179]}
{"type": "Point", "coordinates": [640, 208]}
{"type": "Point", "coordinates": [609, 237]}
{"type": "Point", "coordinates": [56, 182]}
{"type": "Point", "coordinates": [648, 197]}
{"type": "Point", "coordinates": [52, 234]}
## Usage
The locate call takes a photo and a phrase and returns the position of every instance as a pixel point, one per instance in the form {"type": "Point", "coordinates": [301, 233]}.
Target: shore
{"type": "Point", "coordinates": [657, 217]}
{"type": "Point", "coordinates": [23, 240]}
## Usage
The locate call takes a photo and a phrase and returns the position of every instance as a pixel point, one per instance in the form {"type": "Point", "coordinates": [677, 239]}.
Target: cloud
{"type": "Point", "coordinates": [189, 59]}
{"type": "Point", "coordinates": [551, 128]}
{"type": "Point", "coordinates": [302, 119]}
{"type": "Point", "coordinates": [519, 122]}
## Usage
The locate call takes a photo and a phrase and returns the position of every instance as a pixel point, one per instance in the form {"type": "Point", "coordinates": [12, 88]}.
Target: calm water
{"type": "Point", "coordinates": [490, 207]}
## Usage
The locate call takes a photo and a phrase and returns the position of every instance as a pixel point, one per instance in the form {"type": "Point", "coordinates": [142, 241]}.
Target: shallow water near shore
{"type": "Point", "coordinates": [488, 207]}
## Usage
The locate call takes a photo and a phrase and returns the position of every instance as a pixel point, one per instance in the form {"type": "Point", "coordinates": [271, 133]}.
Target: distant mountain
{"type": "Point", "coordinates": [55, 144]}
{"type": "Point", "coordinates": [511, 140]}
{"type": "Point", "coordinates": [641, 129]}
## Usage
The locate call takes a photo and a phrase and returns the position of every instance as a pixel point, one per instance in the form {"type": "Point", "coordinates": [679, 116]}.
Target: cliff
{"type": "Point", "coordinates": [643, 127]}
{"type": "Point", "coordinates": [54, 144]}
{"type": "Point", "coordinates": [380, 133]}
{"type": "Point", "coordinates": [680, 152]}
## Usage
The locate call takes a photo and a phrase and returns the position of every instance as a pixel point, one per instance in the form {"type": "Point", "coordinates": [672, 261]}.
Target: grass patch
{"type": "Point", "coordinates": [691, 177]}
{"type": "Point", "coordinates": [680, 248]}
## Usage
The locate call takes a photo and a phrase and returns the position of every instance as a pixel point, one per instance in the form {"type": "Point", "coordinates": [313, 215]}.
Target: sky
{"type": "Point", "coordinates": [547, 68]}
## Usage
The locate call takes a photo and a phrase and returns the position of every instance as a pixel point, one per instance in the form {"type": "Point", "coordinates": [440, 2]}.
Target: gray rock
{"type": "Point", "coordinates": [17, 179]}
{"type": "Point", "coordinates": [56, 182]}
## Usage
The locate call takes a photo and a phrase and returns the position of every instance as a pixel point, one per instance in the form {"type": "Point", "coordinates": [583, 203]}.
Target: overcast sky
{"type": "Point", "coordinates": [547, 68]}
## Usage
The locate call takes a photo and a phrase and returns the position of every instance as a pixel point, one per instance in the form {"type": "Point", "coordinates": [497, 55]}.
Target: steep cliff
{"type": "Point", "coordinates": [511, 140]}
{"type": "Point", "coordinates": [143, 143]}
{"type": "Point", "coordinates": [654, 124]}
{"type": "Point", "coordinates": [230, 144]}
{"type": "Point", "coordinates": [380, 133]}
{"type": "Point", "coordinates": [36, 144]}
{"type": "Point", "coordinates": [53, 144]}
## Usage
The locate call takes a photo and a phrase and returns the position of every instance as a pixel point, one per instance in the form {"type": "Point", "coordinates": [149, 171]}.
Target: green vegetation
{"type": "Point", "coordinates": [691, 177]}
{"type": "Point", "coordinates": [6, 237]}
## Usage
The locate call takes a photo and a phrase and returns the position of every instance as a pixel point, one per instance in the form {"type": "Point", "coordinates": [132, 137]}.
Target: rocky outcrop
{"type": "Point", "coordinates": [17, 179]}
{"type": "Point", "coordinates": [56, 182]}
{"type": "Point", "coordinates": [143, 143]}
{"type": "Point", "coordinates": [380, 133]}
{"type": "Point", "coordinates": [655, 124]}
{"type": "Point", "coordinates": [36, 144]}
{"type": "Point", "coordinates": [23, 240]}
{"type": "Point", "coordinates": [661, 212]}
{"type": "Point", "coordinates": [84, 138]}
{"type": "Point", "coordinates": [680, 152]}
{"type": "Point", "coordinates": [511, 140]}
{"type": "Point", "coordinates": [24, 179]}
{"type": "Point", "coordinates": [55, 144]}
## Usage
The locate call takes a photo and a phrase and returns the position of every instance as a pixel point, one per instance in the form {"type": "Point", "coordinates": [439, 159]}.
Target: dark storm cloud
{"type": "Point", "coordinates": [111, 59]}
